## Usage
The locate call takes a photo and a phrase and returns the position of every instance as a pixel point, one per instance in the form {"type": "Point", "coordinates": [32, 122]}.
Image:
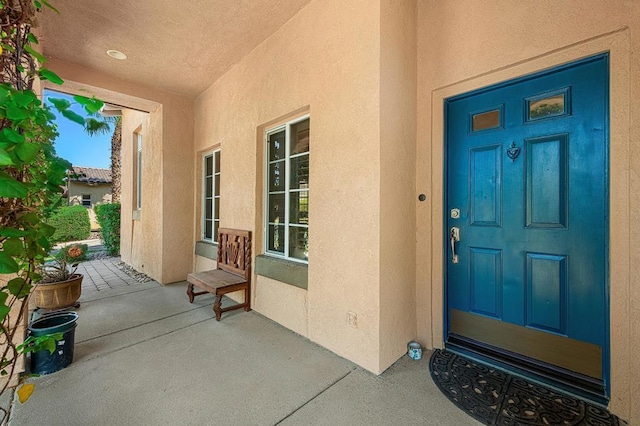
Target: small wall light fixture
{"type": "Point", "coordinates": [116, 54]}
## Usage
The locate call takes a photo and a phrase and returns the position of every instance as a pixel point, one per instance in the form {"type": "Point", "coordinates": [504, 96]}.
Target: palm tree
{"type": "Point", "coordinates": [116, 165]}
{"type": "Point", "coordinates": [97, 127]}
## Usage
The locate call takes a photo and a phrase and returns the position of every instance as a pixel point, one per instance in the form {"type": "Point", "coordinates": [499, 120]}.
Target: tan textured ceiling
{"type": "Point", "coordinates": [182, 46]}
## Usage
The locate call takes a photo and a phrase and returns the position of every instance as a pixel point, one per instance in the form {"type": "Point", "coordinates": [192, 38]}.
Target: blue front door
{"type": "Point", "coordinates": [527, 221]}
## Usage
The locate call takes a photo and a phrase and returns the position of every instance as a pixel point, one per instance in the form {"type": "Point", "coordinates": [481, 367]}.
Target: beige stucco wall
{"type": "Point", "coordinates": [332, 68]}
{"type": "Point", "coordinates": [100, 194]}
{"type": "Point", "coordinates": [397, 178]}
{"type": "Point", "coordinates": [467, 44]}
{"type": "Point", "coordinates": [140, 237]}
{"type": "Point", "coordinates": [157, 244]}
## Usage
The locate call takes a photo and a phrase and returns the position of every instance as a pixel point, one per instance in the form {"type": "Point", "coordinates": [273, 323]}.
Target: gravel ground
{"type": "Point", "coordinates": [96, 255]}
{"type": "Point", "coordinates": [138, 276]}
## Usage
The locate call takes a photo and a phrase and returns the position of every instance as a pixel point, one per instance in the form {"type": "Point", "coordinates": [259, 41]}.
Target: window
{"type": "Point", "coordinates": [548, 105]}
{"type": "Point", "coordinates": [486, 120]}
{"type": "Point", "coordinates": [211, 197]}
{"type": "Point", "coordinates": [287, 190]}
{"type": "Point", "coordinates": [86, 200]}
{"type": "Point", "coordinates": [138, 166]}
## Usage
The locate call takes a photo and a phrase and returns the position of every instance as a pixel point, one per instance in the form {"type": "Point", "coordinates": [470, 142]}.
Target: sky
{"type": "Point", "coordinates": [74, 144]}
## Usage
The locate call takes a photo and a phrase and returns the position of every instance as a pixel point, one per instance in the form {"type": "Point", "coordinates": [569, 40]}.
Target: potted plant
{"type": "Point", "coordinates": [60, 286]}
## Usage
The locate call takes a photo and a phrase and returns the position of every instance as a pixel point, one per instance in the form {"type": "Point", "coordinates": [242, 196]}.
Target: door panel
{"type": "Point", "coordinates": [547, 292]}
{"type": "Point", "coordinates": [527, 168]}
{"type": "Point", "coordinates": [485, 180]}
{"type": "Point", "coordinates": [546, 172]}
{"type": "Point", "coordinates": [485, 281]}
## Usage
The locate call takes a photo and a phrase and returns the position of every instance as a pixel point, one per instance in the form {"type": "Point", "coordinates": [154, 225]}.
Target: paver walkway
{"type": "Point", "coordinates": [102, 274]}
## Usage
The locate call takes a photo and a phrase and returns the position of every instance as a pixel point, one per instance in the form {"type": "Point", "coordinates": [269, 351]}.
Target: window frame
{"type": "Point", "coordinates": [286, 126]}
{"type": "Point", "coordinates": [215, 177]}
{"type": "Point", "coordinates": [138, 165]}
{"type": "Point", "coordinates": [83, 199]}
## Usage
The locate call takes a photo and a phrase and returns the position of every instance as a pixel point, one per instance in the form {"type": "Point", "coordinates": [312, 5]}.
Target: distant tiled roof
{"type": "Point", "coordinates": [90, 175]}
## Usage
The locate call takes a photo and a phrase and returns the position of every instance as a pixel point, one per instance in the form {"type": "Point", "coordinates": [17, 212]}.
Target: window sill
{"type": "Point", "coordinates": [207, 249]}
{"type": "Point", "coordinates": [286, 271]}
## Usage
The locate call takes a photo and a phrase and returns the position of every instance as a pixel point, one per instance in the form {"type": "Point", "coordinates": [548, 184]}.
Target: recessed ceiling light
{"type": "Point", "coordinates": [116, 54]}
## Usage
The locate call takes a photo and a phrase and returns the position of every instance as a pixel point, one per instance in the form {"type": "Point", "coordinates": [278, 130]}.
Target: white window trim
{"type": "Point", "coordinates": [216, 176]}
{"type": "Point", "coordinates": [138, 135]}
{"type": "Point", "coordinates": [82, 200]}
{"type": "Point", "coordinates": [265, 197]}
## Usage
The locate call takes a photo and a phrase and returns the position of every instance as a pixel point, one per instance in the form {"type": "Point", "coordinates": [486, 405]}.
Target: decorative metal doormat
{"type": "Point", "coordinates": [494, 397]}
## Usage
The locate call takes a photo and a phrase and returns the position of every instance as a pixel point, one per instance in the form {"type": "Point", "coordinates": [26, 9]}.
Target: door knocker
{"type": "Point", "coordinates": [513, 151]}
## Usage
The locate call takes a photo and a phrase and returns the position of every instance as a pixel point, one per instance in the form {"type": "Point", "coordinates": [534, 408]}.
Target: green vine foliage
{"type": "Point", "coordinates": [31, 174]}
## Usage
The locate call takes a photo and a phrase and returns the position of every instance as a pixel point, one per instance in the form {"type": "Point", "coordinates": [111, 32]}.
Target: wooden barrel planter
{"type": "Point", "coordinates": [61, 294]}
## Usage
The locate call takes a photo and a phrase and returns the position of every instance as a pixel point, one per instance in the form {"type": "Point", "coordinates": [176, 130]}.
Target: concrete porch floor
{"type": "Point", "coordinates": [145, 356]}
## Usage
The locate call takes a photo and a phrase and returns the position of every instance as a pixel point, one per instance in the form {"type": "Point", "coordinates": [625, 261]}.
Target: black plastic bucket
{"type": "Point", "coordinates": [44, 362]}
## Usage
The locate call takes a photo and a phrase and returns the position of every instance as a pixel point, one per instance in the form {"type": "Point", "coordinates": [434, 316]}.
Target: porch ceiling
{"type": "Point", "coordinates": [182, 47]}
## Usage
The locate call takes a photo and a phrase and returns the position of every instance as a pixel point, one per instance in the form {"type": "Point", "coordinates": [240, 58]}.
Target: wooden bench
{"type": "Point", "coordinates": [233, 272]}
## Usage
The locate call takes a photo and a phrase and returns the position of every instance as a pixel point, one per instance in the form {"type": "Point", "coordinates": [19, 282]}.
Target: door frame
{"type": "Point", "coordinates": [618, 46]}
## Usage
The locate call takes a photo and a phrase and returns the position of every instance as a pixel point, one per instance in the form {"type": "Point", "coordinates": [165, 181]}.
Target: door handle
{"type": "Point", "coordinates": [454, 237]}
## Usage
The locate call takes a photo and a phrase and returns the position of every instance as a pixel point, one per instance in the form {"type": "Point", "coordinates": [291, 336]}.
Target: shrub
{"type": "Point", "coordinates": [109, 220]}
{"type": "Point", "coordinates": [71, 223]}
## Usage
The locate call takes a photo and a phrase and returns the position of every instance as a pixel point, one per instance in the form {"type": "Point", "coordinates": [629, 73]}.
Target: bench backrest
{"type": "Point", "coordinates": [234, 252]}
